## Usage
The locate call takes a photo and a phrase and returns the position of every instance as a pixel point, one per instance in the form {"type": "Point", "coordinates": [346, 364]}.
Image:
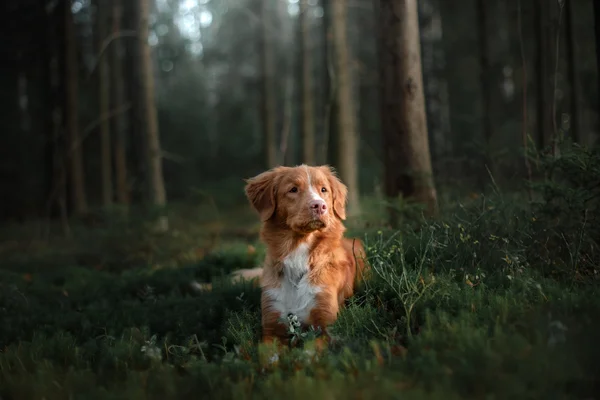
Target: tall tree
{"type": "Point", "coordinates": [156, 192]}
{"type": "Point", "coordinates": [267, 89]}
{"type": "Point", "coordinates": [597, 40]}
{"type": "Point", "coordinates": [435, 84]}
{"type": "Point", "coordinates": [572, 70]}
{"type": "Point", "coordinates": [118, 101]}
{"type": "Point", "coordinates": [407, 161]}
{"type": "Point", "coordinates": [56, 203]}
{"type": "Point", "coordinates": [74, 154]}
{"type": "Point", "coordinates": [486, 85]}
{"type": "Point", "coordinates": [544, 93]}
{"type": "Point", "coordinates": [307, 119]}
{"type": "Point", "coordinates": [347, 142]}
{"type": "Point", "coordinates": [327, 86]}
{"type": "Point", "coordinates": [104, 103]}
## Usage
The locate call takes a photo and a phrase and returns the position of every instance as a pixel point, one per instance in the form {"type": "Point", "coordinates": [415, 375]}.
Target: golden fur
{"type": "Point", "coordinates": [302, 209]}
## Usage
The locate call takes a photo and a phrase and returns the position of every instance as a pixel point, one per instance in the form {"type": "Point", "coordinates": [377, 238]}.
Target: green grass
{"type": "Point", "coordinates": [496, 299]}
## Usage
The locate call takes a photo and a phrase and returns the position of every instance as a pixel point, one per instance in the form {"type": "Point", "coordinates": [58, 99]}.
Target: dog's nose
{"type": "Point", "coordinates": [319, 207]}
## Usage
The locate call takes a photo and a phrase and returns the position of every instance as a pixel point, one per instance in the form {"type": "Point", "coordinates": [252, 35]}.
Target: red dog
{"type": "Point", "coordinates": [310, 268]}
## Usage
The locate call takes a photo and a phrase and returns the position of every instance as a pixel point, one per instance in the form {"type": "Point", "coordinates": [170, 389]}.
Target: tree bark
{"type": "Point", "coordinates": [435, 84]}
{"type": "Point", "coordinates": [597, 39]}
{"type": "Point", "coordinates": [119, 99]}
{"type": "Point", "coordinates": [267, 90]}
{"type": "Point", "coordinates": [544, 94]}
{"type": "Point", "coordinates": [327, 153]}
{"type": "Point", "coordinates": [74, 153]}
{"type": "Point", "coordinates": [407, 162]}
{"type": "Point", "coordinates": [572, 72]}
{"type": "Point", "coordinates": [485, 82]}
{"type": "Point", "coordinates": [307, 115]}
{"type": "Point", "coordinates": [157, 195]}
{"type": "Point", "coordinates": [104, 105]}
{"type": "Point", "coordinates": [56, 144]}
{"type": "Point", "coordinates": [347, 133]}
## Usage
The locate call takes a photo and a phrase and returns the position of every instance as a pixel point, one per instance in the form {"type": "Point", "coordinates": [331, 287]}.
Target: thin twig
{"type": "Point", "coordinates": [106, 43]}
{"type": "Point", "coordinates": [85, 133]}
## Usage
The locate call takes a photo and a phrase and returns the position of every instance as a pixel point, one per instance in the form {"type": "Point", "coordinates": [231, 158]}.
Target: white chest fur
{"type": "Point", "coordinates": [295, 295]}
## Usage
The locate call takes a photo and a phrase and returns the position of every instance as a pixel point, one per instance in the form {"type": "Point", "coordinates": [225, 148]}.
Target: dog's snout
{"type": "Point", "coordinates": [319, 207]}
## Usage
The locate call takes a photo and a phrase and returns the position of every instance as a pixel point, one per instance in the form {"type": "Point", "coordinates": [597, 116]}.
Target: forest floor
{"type": "Point", "coordinates": [495, 298]}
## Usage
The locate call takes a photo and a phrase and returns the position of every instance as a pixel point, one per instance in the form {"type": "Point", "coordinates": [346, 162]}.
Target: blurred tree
{"type": "Point", "coordinates": [307, 119]}
{"type": "Point", "coordinates": [329, 153]}
{"type": "Point", "coordinates": [267, 72]}
{"type": "Point", "coordinates": [157, 194]}
{"type": "Point", "coordinates": [435, 84]}
{"type": "Point", "coordinates": [404, 126]}
{"type": "Point", "coordinates": [55, 202]}
{"type": "Point", "coordinates": [597, 40]}
{"type": "Point", "coordinates": [544, 95]}
{"type": "Point", "coordinates": [575, 117]}
{"type": "Point", "coordinates": [118, 103]}
{"type": "Point", "coordinates": [347, 132]}
{"type": "Point", "coordinates": [104, 103]}
{"type": "Point", "coordinates": [74, 153]}
{"type": "Point", "coordinates": [486, 88]}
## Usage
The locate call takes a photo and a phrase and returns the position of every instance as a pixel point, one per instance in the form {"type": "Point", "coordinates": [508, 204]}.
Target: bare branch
{"type": "Point", "coordinates": [106, 43]}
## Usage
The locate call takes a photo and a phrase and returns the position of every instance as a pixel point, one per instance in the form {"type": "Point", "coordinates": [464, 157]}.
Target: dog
{"type": "Point", "coordinates": [310, 268]}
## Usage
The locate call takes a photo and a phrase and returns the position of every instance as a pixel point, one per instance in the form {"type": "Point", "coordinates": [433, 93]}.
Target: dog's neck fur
{"type": "Point", "coordinates": [281, 241]}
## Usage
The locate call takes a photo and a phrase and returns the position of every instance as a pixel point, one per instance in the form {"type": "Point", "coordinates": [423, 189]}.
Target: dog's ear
{"type": "Point", "coordinates": [339, 192]}
{"type": "Point", "coordinates": [261, 192]}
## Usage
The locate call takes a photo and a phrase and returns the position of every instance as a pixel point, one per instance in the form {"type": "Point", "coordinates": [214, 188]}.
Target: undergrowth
{"type": "Point", "coordinates": [497, 298]}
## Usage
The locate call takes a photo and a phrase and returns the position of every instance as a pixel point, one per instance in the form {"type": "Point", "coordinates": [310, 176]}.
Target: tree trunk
{"type": "Point", "coordinates": [407, 161]}
{"type": "Point", "coordinates": [435, 84]}
{"type": "Point", "coordinates": [57, 193]}
{"type": "Point", "coordinates": [597, 40]}
{"type": "Point", "coordinates": [104, 104]}
{"type": "Point", "coordinates": [544, 94]}
{"type": "Point", "coordinates": [328, 92]}
{"type": "Point", "coordinates": [347, 133]}
{"type": "Point", "coordinates": [119, 99]}
{"type": "Point", "coordinates": [572, 71]}
{"type": "Point", "coordinates": [157, 195]}
{"type": "Point", "coordinates": [486, 89]}
{"type": "Point", "coordinates": [267, 89]}
{"type": "Point", "coordinates": [74, 154]}
{"type": "Point", "coordinates": [307, 119]}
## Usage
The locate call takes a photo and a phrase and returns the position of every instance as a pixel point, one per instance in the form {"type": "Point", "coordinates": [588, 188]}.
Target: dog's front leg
{"type": "Point", "coordinates": [325, 311]}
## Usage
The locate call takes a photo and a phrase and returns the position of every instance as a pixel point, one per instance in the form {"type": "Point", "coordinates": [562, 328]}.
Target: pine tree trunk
{"type": "Point", "coordinates": [572, 72]}
{"type": "Point", "coordinates": [118, 93]}
{"type": "Point", "coordinates": [157, 195]}
{"type": "Point", "coordinates": [74, 146]}
{"type": "Point", "coordinates": [407, 161]}
{"type": "Point", "coordinates": [435, 84]}
{"type": "Point", "coordinates": [267, 90]}
{"type": "Point", "coordinates": [347, 133]}
{"type": "Point", "coordinates": [485, 82]}
{"type": "Point", "coordinates": [328, 92]}
{"type": "Point", "coordinates": [544, 94]}
{"type": "Point", "coordinates": [597, 40]}
{"type": "Point", "coordinates": [307, 115]}
{"type": "Point", "coordinates": [104, 104]}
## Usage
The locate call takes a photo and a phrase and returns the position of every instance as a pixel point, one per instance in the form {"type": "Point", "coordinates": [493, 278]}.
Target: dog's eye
{"type": "Point", "coordinates": [294, 189]}
{"type": "Point", "coordinates": [323, 189]}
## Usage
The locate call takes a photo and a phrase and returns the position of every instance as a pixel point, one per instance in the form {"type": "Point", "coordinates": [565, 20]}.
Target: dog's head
{"type": "Point", "coordinates": [305, 199]}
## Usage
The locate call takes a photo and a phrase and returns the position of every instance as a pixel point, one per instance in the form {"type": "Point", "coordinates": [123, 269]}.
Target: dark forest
{"type": "Point", "coordinates": [466, 132]}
